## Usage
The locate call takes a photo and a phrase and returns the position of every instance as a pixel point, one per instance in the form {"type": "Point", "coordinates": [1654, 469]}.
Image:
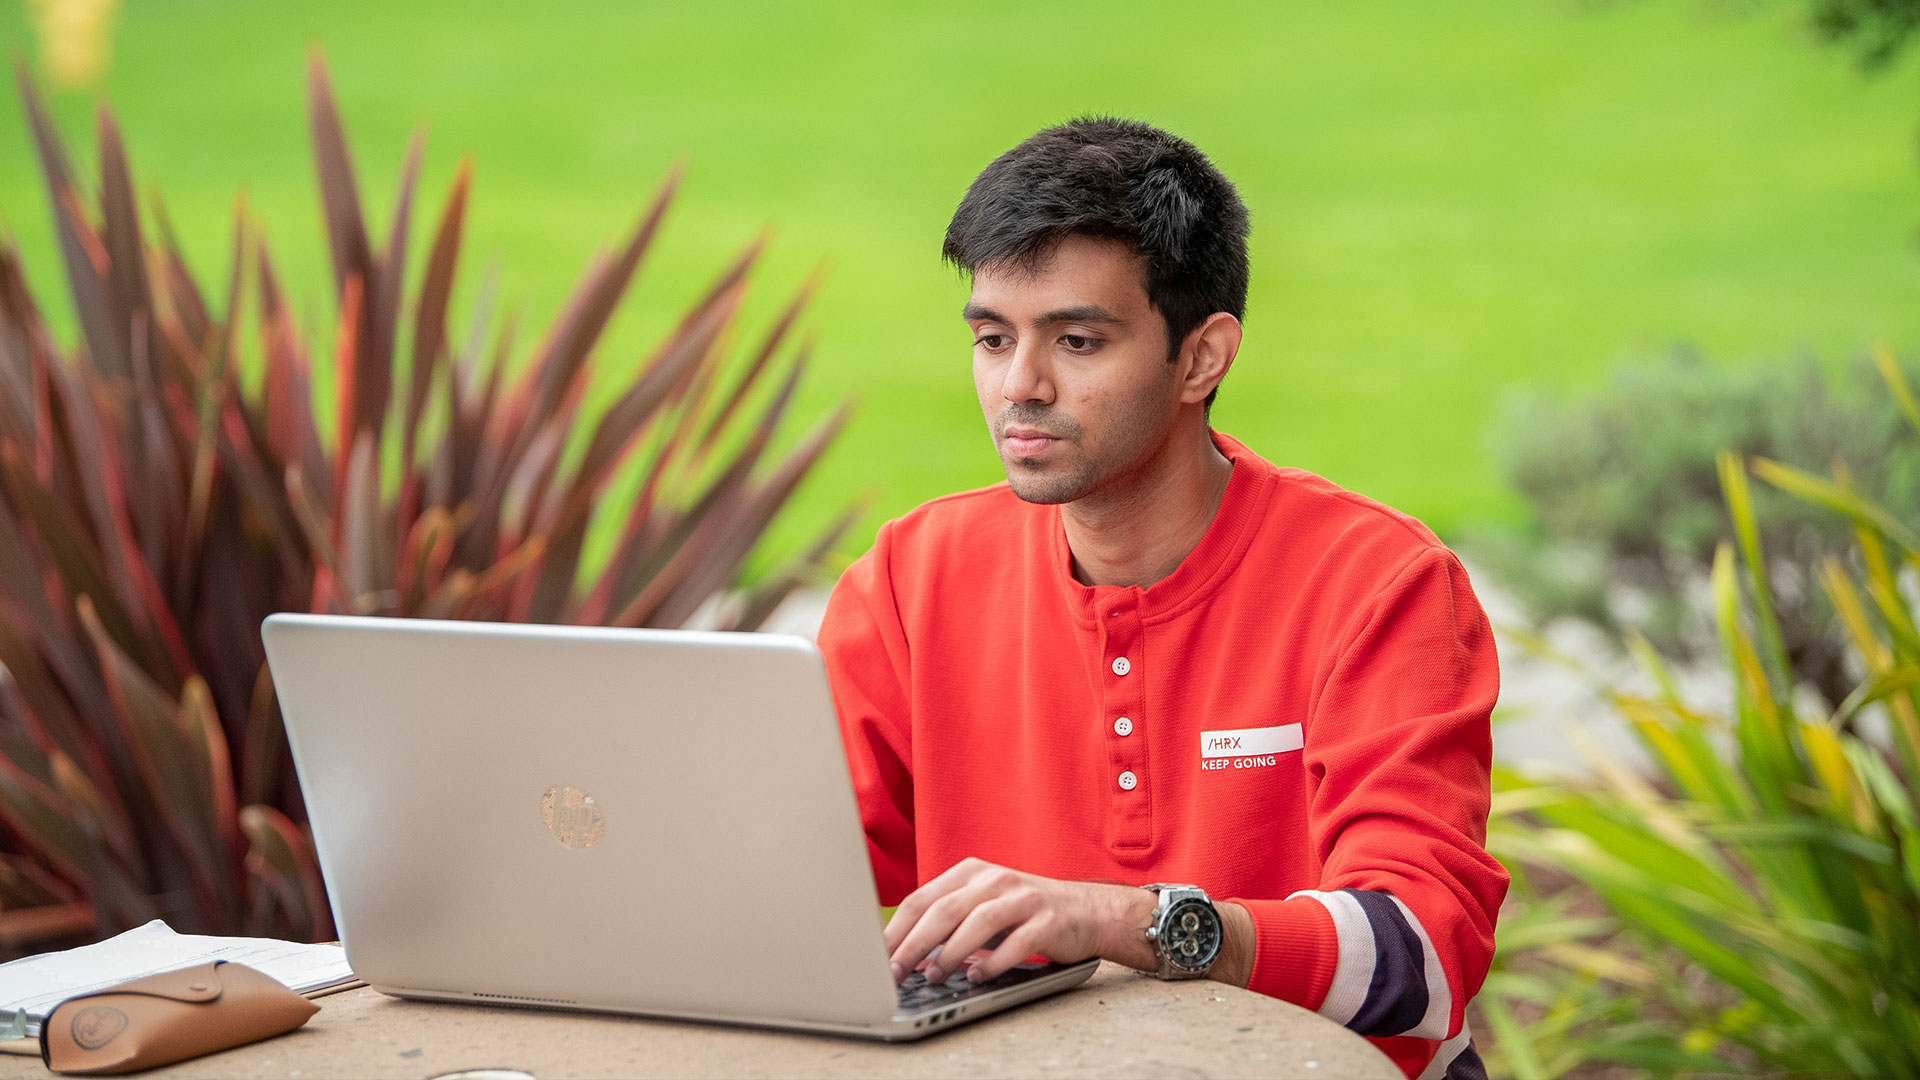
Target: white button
{"type": "Point", "coordinates": [1128, 781]}
{"type": "Point", "coordinates": [1120, 665]}
{"type": "Point", "coordinates": [1123, 727]}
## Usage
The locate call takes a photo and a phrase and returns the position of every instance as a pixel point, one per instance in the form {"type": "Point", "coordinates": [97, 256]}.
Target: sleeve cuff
{"type": "Point", "coordinates": [1295, 950]}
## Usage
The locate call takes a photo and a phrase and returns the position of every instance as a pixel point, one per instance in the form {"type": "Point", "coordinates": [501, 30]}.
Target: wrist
{"type": "Point", "coordinates": [1126, 913]}
{"type": "Point", "coordinates": [1234, 965]}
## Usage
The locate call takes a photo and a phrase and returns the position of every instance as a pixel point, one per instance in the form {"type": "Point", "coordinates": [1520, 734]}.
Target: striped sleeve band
{"type": "Point", "coordinates": [1388, 979]}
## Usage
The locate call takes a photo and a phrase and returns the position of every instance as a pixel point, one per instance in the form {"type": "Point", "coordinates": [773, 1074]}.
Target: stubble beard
{"type": "Point", "coordinates": [1034, 483]}
{"type": "Point", "coordinates": [1053, 482]}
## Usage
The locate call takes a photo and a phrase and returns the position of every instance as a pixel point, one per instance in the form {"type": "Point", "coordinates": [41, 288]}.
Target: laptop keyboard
{"type": "Point", "coordinates": [916, 994]}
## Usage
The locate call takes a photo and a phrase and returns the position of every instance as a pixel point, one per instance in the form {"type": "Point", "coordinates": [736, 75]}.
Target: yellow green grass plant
{"type": "Point", "coordinates": [1753, 905]}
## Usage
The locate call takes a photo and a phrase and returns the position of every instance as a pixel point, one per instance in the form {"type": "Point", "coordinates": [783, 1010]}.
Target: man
{"type": "Point", "coordinates": [1153, 657]}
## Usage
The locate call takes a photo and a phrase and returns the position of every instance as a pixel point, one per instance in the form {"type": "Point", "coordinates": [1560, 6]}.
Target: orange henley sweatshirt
{"type": "Point", "coordinates": [1295, 719]}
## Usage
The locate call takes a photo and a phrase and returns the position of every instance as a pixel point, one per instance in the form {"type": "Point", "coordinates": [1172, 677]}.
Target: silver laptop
{"type": "Point", "coordinates": [641, 821]}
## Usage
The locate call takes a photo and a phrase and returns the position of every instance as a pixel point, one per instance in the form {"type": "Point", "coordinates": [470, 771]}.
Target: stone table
{"type": "Point", "coordinates": [1119, 1023]}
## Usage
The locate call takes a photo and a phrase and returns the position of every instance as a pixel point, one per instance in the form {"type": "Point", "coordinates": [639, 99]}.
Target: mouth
{"type": "Point", "coordinates": [1023, 442]}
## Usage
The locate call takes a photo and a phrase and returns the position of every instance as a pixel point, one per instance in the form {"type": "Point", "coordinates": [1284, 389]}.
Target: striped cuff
{"type": "Point", "coordinates": [1294, 950]}
{"type": "Point", "coordinates": [1456, 1059]}
{"type": "Point", "coordinates": [1387, 979]}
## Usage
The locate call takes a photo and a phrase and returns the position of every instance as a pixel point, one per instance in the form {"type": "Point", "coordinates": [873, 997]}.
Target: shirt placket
{"type": "Point", "coordinates": [1124, 722]}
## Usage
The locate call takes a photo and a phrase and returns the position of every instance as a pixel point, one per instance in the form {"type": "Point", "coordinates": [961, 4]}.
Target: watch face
{"type": "Point", "coordinates": [1191, 933]}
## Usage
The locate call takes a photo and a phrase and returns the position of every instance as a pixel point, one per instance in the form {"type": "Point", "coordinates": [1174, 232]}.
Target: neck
{"type": "Point", "coordinates": [1140, 534]}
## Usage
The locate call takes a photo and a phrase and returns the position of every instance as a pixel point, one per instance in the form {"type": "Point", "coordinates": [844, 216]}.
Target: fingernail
{"type": "Point", "coordinates": [898, 972]}
{"type": "Point", "coordinates": [934, 974]}
{"type": "Point", "coordinates": [975, 974]}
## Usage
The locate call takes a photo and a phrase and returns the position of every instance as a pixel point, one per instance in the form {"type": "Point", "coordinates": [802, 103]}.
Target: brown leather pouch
{"type": "Point", "coordinates": [168, 1017]}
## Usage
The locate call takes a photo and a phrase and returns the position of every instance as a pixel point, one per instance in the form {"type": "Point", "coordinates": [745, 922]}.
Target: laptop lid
{"type": "Point", "coordinates": [638, 820]}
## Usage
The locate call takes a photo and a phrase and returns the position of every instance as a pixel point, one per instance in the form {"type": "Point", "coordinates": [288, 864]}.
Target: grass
{"type": "Point", "coordinates": [1449, 201]}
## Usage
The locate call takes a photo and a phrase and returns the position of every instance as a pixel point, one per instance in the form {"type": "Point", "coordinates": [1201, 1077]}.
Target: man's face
{"type": "Point", "coordinates": [1070, 363]}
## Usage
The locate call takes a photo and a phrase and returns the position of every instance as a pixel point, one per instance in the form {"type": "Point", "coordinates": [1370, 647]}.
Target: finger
{"type": "Point", "coordinates": [1026, 940]}
{"type": "Point", "coordinates": [934, 929]}
{"type": "Point", "coordinates": [989, 919]}
{"type": "Point", "coordinates": [903, 919]}
{"type": "Point", "coordinates": [926, 934]}
{"type": "Point", "coordinates": [917, 902]}
{"type": "Point", "coordinates": [911, 910]}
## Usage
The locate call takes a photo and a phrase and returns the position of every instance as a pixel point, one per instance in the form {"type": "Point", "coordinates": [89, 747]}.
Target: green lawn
{"type": "Point", "coordinates": [1449, 200]}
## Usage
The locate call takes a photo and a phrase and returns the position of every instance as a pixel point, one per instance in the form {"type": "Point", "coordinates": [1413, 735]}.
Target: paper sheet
{"type": "Point", "coordinates": [31, 986]}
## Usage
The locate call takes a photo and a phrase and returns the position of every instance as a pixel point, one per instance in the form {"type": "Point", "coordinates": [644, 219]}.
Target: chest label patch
{"type": "Point", "coordinates": [1247, 748]}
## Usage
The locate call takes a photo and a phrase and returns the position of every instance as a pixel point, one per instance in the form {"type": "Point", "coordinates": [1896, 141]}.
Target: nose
{"type": "Point", "coordinates": [1029, 375]}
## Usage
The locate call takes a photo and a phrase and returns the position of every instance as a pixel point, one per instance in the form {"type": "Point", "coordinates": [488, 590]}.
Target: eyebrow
{"type": "Point", "coordinates": [1083, 313]}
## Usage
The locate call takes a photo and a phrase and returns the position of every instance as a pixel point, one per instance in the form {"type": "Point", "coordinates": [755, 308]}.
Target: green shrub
{"type": "Point", "coordinates": [1762, 894]}
{"type": "Point", "coordinates": [153, 512]}
{"type": "Point", "coordinates": [1625, 503]}
{"type": "Point", "coordinates": [1879, 31]}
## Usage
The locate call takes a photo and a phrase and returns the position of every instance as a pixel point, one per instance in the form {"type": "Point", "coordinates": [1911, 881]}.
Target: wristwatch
{"type": "Point", "coordinates": [1186, 931]}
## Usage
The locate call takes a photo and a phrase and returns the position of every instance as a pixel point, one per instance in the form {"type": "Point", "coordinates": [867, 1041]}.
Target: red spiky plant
{"type": "Point", "coordinates": [152, 513]}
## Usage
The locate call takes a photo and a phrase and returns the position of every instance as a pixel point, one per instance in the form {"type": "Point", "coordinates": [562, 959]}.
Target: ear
{"type": "Point", "coordinates": [1206, 355]}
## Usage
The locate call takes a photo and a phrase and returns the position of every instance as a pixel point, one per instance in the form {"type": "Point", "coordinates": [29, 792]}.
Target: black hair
{"type": "Point", "coordinates": [1120, 180]}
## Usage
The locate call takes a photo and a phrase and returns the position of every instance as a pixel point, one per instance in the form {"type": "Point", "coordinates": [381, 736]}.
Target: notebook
{"type": "Point", "coordinates": [31, 986]}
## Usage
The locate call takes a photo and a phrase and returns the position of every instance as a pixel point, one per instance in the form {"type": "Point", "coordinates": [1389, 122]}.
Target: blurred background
{"type": "Point", "coordinates": [1449, 201]}
{"type": "Point", "coordinates": [1616, 295]}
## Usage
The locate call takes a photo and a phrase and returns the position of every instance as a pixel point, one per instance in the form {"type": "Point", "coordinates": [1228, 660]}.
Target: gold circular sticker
{"type": "Point", "coordinates": [572, 816]}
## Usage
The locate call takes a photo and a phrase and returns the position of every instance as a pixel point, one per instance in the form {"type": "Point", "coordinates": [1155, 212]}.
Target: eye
{"type": "Point", "coordinates": [1079, 343]}
{"type": "Point", "coordinates": [990, 341]}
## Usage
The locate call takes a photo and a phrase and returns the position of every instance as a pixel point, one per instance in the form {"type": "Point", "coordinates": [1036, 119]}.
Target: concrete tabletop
{"type": "Point", "coordinates": [1119, 1023]}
